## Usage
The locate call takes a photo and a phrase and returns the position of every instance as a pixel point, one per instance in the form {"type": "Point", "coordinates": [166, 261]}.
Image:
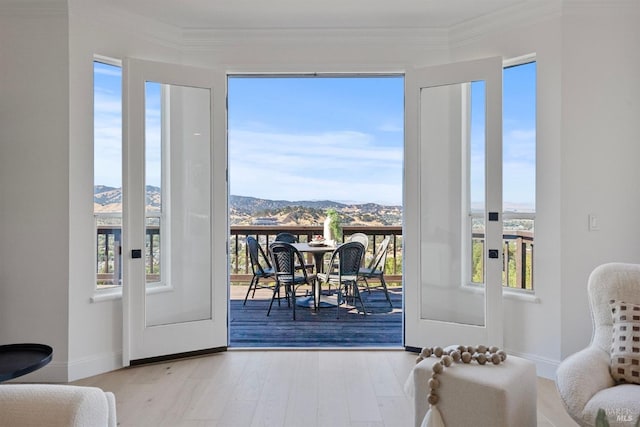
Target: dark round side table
{"type": "Point", "coordinates": [20, 359]}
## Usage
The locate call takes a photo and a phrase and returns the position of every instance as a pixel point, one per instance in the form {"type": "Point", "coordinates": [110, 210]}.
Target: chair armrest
{"type": "Point", "coordinates": [111, 403]}
{"type": "Point", "coordinates": [56, 405]}
{"type": "Point", "coordinates": [580, 376]}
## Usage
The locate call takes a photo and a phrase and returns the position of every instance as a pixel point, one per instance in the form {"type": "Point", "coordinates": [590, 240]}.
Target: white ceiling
{"type": "Point", "coordinates": [299, 14]}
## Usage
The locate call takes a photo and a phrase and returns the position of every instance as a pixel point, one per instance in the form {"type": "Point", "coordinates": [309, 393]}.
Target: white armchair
{"type": "Point", "coordinates": [584, 379]}
{"type": "Point", "coordinates": [56, 405]}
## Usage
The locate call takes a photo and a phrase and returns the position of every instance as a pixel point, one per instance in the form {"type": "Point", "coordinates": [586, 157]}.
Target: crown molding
{"type": "Point", "coordinates": [578, 6]}
{"type": "Point", "coordinates": [207, 39]}
{"type": "Point", "coordinates": [518, 15]}
{"type": "Point", "coordinates": [201, 40]}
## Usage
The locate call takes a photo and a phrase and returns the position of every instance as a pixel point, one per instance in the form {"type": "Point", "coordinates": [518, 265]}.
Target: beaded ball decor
{"type": "Point", "coordinates": [460, 353]}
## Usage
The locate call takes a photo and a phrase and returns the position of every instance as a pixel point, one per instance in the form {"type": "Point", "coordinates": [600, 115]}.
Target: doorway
{"type": "Point", "coordinates": [300, 147]}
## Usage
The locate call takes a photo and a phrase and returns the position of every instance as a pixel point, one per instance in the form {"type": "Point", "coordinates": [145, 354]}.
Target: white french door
{"type": "Point", "coordinates": [453, 204]}
{"type": "Point", "coordinates": [175, 213]}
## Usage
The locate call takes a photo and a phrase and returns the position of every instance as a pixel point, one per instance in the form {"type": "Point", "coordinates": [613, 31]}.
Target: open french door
{"type": "Point", "coordinates": [453, 205]}
{"type": "Point", "coordinates": [174, 211]}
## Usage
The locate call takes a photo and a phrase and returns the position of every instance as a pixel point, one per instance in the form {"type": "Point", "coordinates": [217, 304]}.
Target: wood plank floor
{"type": "Point", "coordinates": [249, 325]}
{"type": "Point", "coordinates": [240, 388]}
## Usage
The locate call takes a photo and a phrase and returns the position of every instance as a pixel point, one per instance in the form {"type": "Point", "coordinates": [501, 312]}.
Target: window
{"type": "Point", "coordinates": [156, 125]}
{"type": "Point", "coordinates": [107, 170]}
{"type": "Point", "coordinates": [519, 173]}
{"type": "Point", "coordinates": [518, 179]}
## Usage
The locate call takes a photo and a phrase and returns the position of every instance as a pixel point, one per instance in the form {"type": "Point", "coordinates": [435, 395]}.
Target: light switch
{"type": "Point", "coordinates": [594, 224]}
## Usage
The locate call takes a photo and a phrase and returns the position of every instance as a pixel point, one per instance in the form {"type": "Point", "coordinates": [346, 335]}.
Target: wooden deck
{"type": "Point", "coordinates": [249, 325]}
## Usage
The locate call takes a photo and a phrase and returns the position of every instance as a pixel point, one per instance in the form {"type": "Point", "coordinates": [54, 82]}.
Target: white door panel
{"type": "Point", "coordinates": [175, 293]}
{"type": "Point", "coordinates": [453, 165]}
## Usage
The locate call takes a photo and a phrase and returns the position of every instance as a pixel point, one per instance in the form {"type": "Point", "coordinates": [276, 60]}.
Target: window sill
{"type": "Point", "coordinates": [507, 293]}
{"type": "Point", "coordinates": [520, 296]}
{"type": "Point", "coordinates": [116, 293]}
{"type": "Point", "coordinates": [106, 295]}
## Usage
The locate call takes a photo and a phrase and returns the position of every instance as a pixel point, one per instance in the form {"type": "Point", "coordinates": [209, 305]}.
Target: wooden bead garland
{"type": "Point", "coordinates": [465, 354]}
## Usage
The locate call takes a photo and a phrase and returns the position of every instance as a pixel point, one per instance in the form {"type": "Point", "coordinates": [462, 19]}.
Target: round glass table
{"type": "Point", "coordinates": [20, 359]}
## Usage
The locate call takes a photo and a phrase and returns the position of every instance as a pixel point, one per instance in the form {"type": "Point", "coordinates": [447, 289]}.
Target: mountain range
{"type": "Point", "coordinates": [245, 210]}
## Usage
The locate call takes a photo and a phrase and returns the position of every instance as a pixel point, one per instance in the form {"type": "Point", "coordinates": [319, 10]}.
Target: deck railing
{"type": "Point", "coordinates": [265, 234]}
{"type": "Point", "coordinates": [517, 250]}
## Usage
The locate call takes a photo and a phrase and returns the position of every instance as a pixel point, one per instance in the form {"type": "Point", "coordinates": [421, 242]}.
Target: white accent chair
{"type": "Point", "coordinates": [583, 379]}
{"type": "Point", "coordinates": [54, 405]}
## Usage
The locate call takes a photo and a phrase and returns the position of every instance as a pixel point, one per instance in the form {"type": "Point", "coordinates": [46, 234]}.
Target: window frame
{"type": "Point", "coordinates": [507, 63]}
{"type": "Point", "coordinates": [115, 289]}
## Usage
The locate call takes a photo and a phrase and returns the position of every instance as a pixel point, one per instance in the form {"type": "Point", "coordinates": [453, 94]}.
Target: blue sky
{"type": "Point", "coordinates": [519, 136]}
{"type": "Point", "coordinates": [327, 138]}
{"type": "Point", "coordinates": [107, 133]}
{"type": "Point", "coordinates": [304, 138]}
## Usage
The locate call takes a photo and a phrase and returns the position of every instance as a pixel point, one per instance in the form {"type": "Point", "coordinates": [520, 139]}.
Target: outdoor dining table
{"type": "Point", "coordinates": [318, 251]}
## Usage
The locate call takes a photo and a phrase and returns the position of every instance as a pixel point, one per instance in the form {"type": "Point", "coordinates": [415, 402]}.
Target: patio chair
{"type": "Point", "coordinates": [344, 266]}
{"type": "Point", "coordinates": [360, 237]}
{"type": "Point", "coordinates": [260, 266]}
{"type": "Point", "coordinates": [291, 238]}
{"type": "Point", "coordinates": [286, 237]}
{"type": "Point", "coordinates": [375, 269]}
{"type": "Point", "coordinates": [284, 258]}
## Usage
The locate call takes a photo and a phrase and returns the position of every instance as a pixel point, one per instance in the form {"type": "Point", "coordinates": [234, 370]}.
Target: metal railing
{"type": "Point", "coordinates": [517, 255]}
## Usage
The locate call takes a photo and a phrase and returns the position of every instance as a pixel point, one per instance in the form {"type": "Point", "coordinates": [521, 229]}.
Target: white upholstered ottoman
{"type": "Point", "coordinates": [479, 395]}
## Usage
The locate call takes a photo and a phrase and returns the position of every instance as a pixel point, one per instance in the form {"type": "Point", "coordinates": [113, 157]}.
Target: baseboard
{"type": "Point", "coordinates": [58, 372]}
{"type": "Point", "coordinates": [545, 368]}
{"type": "Point", "coordinates": [94, 365]}
{"type": "Point", "coordinates": [53, 372]}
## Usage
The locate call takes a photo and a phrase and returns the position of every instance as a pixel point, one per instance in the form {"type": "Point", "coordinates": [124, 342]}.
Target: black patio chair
{"type": "Point", "coordinates": [286, 237]}
{"type": "Point", "coordinates": [284, 258]}
{"type": "Point", "coordinates": [260, 266]}
{"type": "Point", "coordinates": [291, 238]}
{"type": "Point", "coordinates": [343, 273]}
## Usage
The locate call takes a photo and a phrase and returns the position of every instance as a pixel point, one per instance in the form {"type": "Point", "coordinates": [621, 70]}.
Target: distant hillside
{"type": "Point", "coordinates": [109, 199]}
{"type": "Point", "coordinates": [252, 204]}
{"type": "Point", "coordinates": [251, 210]}
{"type": "Point", "coordinates": [103, 195]}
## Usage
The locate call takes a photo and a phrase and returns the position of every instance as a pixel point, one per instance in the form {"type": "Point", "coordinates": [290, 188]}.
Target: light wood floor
{"type": "Point", "coordinates": [279, 388]}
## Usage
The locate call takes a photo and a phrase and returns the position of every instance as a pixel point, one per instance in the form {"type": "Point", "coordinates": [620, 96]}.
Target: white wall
{"type": "Point", "coordinates": [600, 152]}
{"type": "Point", "coordinates": [34, 181]}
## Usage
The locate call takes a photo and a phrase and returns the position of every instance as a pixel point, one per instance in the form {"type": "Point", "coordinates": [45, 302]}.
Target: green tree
{"type": "Point", "coordinates": [335, 224]}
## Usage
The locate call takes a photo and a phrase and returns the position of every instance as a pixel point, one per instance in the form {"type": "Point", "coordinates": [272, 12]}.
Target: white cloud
{"type": "Point", "coordinates": [344, 165]}
{"type": "Point", "coordinates": [391, 127]}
